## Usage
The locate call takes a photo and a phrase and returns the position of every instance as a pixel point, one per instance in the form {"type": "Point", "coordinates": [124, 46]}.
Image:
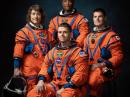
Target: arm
{"type": "Point", "coordinates": [81, 71]}
{"type": "Point", "coordinates": [52, 27]}
{"type": "Point", "coordinates": [115, 47]}
{"type": "Point", "coordinates": [53, 31]}
{"type": "Point", "coordinates": [84, 30]}
{"type": "Point", "coordinates": [20, 41]}
{"type": "Point", "coordinates": [43, 74]}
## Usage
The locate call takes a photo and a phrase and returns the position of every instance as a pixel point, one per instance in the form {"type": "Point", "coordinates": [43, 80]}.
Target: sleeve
{"type": "Point", "coordinates": [84, 30]}
{"type": "Point", "coordinates": [81, 66]}
{"type": "Point", "coordinates": [52, 27]}
{"type": "Point", "coordinates": [49, 36]}
{"type": "Point", "coordinates": [44, 73]}
{"type": "Point", "coordinates": [20, 41]}
{"type": "Point", "coordinates": [115, 47]}
{"type": "Point", "coordinates": [50, 44]}
{"type": "Point", "coordinates": [53, 31]}
{"type": "Point", "coordinates": [85, 46]}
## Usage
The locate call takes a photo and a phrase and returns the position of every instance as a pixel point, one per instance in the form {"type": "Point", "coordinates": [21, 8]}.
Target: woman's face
{"type": "Point", "coordinates": [35, 17]}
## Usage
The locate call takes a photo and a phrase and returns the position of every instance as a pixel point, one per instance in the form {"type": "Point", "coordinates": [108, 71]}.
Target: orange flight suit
{"type": "Point", "coordinates": [66, 63]}
{"type": "Point", "coordinates": [112, 41]}
{"type": "Point", "coordinates": [76, 20]}
{"type": "Point", "coordinates": [31, 61]}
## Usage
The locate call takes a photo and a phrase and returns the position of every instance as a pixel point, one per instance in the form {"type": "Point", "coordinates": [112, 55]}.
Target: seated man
{"type": "Point", "coordinates": [67, 65]}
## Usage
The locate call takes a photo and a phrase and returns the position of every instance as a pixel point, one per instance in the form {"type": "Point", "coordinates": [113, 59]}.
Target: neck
{"type": "Point", "coordinates": [100, 27]}
{"type": "Point", "coordinates": [66, 12]}
{"type": "Point", "coordinates": [65, 44]}
{"type": "Point", "coordinates": [38, 26]}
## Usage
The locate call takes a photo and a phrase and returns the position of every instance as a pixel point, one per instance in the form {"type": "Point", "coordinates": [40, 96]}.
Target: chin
{"type": "Point", "coordinates": [98, 25]}
{"type": "Point", "coordinates": [62, 41]}
{"type": "Point", "coordinates": [36, 23]}
{"type": "Point", "coordinates": [67, 8]}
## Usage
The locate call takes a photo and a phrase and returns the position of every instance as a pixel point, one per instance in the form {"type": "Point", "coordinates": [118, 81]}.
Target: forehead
{"type": "Point", "coordinates": [98, 13]}
{"type": "Point", "coordinates": [34, 11]}
{"type": "Point", "coordinates": [63, 29]}
{"type": "Point", "coordinates": [67, 0]}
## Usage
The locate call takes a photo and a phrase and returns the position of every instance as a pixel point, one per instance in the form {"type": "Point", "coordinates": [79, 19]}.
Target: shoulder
{"type": "Point", "coordinates": [79, 52]}
{"type": "Point", "coordinates": [115, 35]}
{"type": "Point", "coordinates": [81, 17]}
{"type": "Point", "coordinates": [54, 18]}
{"type": "Point", "coordinates": [112, 37]}
{"type": "Point", "coordinates": [23, 30]}
{"type": "Point", "coordinates": [111, 33]}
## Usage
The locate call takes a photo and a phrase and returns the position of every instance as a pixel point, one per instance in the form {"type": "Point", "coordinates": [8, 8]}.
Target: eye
{"type": "Point", "coordinates": [94, 16]}
{"type": "Point", "coordinates": [38, 13]}
{"type": "Point", "coordinates": [33, 13]}
{"type": "Point", "coordinates": [64, 31]}
{"type": "Point", "coordinates": [59, 32]}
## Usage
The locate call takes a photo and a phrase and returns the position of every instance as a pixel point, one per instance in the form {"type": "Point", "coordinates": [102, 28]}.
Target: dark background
{"type": "Point", "coordinates": [13, 15]}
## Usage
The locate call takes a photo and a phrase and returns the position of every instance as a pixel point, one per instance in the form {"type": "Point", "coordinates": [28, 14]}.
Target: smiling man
{"type": "Point", "coordinates": [105, 53]}
{"type": "Point", "coordinates": [67, 65]}
{"type": "Point", "coordinates": [76, 20]}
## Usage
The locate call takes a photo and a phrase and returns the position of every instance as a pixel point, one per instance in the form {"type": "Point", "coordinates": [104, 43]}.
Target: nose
{"type": "Point", "coordinates": [67, 2]}
{"type": "Point", "coordinates": [96, 18]}
{"type": "Point", "coordinates": [35, 15]}
{"type": "Point", "coordinates": [62, 33]}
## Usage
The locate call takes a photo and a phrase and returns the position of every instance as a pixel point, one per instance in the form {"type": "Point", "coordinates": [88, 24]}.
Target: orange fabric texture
{"type": "Point", "coordinates": [75, 60]}
{"type": "Point", "coordinates": [80, 23]}
{"type": "Point", "coordinates": [96, 77]}
{"type": "Point", "coordinates": [31, 64]}
{"type": "Point", "coordinates": [79, 78]}
{"type": "Point", "coordinates": [50, 92]}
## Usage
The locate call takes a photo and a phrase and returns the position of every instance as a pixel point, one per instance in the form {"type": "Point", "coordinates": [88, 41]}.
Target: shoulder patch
{"type": "Point", "coordinates": [114, 39]}
{"type": "Point", "coordinates": [86, 19]}
{"type": "Point", "coordinates": [117, 37]}
{"type": "Point", "coordinates": [82, 53]}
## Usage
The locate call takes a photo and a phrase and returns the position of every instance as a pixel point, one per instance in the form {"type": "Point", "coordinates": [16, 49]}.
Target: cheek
{"type": "Point", "coordinates": [94, 19]}
{"type": "Point", "coordinates": [70, 4]}
{"type": "Point", "coordinates": [31, 16]}
{"type": "Point", "coordinates": [67, 35]}
{"type": "Point", "coordinates": [58, 35]}
{"type": "Point", "coordinates": [31, 19]}
{"type": "Point", "coordinates": [101, 21]}
{"type": "Point", "coordinates": [39, 17]}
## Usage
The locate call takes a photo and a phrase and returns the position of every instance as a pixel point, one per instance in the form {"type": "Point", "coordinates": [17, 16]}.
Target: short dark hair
{"type": "Point", "coordinates": [100, 10]}
{"type": "Point", "coordinates": [38, 8]}
{"type": "Point", "coordinates": [71, 0]}
{"type": "Point", "coordinates": [65, 25]}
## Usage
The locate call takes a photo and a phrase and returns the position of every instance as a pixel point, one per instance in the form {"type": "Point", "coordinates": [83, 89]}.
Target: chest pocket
{"type": "Point", "coordinates": [58, 68]}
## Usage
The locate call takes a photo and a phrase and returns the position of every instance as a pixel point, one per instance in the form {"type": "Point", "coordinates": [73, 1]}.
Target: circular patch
{"type": "Point", "coordinates": [82, 53]}
{"type": "Point", "coordinates": [117, 37]}
{"type": "Point", "coordinates": [58, 60]}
